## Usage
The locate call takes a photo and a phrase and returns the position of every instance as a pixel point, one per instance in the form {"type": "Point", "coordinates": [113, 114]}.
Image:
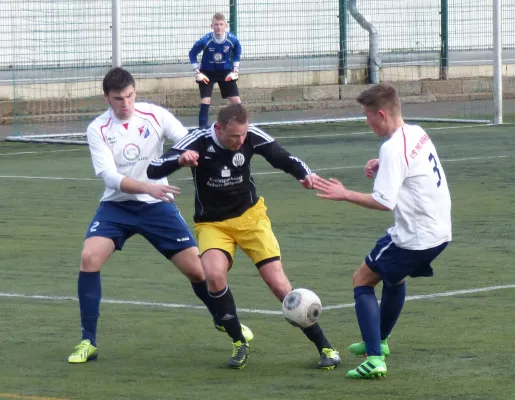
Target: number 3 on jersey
{"type": "Point", "coordinates": [435, 168]}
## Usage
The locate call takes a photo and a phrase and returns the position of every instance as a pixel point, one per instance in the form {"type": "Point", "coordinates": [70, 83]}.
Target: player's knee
{"type": "Point", "coordinates": [188, 262]}
{"type": "Point", "coordinates": [90, 261]}
{"type": "Point", "coordinates": [194, 272]}
{"type": "Point", "coordinates": [364, 276]}
{"type": "Point", "coordinates": [216, 277]}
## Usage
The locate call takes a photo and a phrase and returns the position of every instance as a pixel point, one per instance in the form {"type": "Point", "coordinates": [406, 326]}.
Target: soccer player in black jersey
{"type": "Point", "coordinates": [228, 212]}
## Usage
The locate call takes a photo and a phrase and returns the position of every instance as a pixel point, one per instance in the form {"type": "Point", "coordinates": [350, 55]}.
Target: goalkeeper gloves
{"type": "Point", "coordinates": [200, 77]}
{"type": "Point", "coordinates": [233, 76]}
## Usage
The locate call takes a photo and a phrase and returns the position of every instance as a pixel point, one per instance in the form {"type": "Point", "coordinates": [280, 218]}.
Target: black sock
{"type": "Point", "coordinates": [200, 289]}
{"type": "Point", "coordinates": [316, 335]}
{"type": "Point", "coordinates": [225, 308]}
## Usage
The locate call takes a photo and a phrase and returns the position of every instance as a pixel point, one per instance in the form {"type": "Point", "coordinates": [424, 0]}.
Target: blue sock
{"type": "Point", "coordinates": [200, 289]}
{"type": "Point", "coordinates": [203, 116]}
{"type": "Point", "coordinates": [367, 311]}
{"type": "Point", "coordinates": [90, 293]}
{"type": "Point", "coordinates": [392, 302]}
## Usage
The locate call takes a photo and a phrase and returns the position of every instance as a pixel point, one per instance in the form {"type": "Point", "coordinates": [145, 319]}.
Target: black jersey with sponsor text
{"type": "Point", "coordinates": [224, 187]}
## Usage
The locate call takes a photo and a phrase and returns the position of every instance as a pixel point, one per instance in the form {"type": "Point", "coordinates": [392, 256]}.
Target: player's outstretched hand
{"type": "Point", "coordinates": [163, 192]}
{"type": "Point", "coordinates": [308, 181]}
{"type": "Point", "coordinates": [188, 159]}
{"type": "Point", "coordinates": [371, 167]}
{"type": "Point", "coordinates": [331, 189]}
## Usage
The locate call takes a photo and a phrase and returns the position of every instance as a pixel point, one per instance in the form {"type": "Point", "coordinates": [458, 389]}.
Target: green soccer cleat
{"type": "Point", "coordinates": [372, 367]}
{"type": "Point", "coordinates": [85, 351]}
{"type": "Point", "coordinates": [245, 330]}
{"type": "Point", "coordinates": [329, 359]}
{"type": "Point", "coordinates": [240, 355]}
{"type": "Point", "coordinates": [360, 349]}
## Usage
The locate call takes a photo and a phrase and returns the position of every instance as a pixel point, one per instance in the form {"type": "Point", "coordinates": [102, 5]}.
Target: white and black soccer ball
{"type": "Point", "coordinates": [302, 308]}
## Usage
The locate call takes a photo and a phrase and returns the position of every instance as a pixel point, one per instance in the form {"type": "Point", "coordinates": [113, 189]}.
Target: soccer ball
{"type": "Point", "coordinates": [302, 308]}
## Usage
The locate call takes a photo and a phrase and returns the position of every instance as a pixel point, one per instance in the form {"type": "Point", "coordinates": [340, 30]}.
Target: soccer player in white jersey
{"type": "Point", "coordinates": [122, 142]}
{"type": "Point", "coordinates": [409, 181]}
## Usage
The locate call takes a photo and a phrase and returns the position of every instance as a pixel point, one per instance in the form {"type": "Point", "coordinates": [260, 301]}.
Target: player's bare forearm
{"type": "Point", "coordinates": [132, 186]}
{"type": "Point", "coordinates": [333, 189]}
{"type": "Point", "coordinates": [364, 200]}
{"type": "Point", "coordinates": [157, 191]}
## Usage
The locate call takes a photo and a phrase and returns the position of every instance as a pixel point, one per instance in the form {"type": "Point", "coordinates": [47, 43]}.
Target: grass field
{"type": "Point", "coordinates": [447, 345]}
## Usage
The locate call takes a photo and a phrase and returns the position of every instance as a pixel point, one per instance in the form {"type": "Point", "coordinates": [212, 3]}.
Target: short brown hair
{"type": "Point", "coordinates": [232, 112]}
{"type": "Point", "coordinates": [117, 79]}
{"type": "Point", "coordinates": [380, 96]}
{"type": "Point", "coordinates": [219, 16]}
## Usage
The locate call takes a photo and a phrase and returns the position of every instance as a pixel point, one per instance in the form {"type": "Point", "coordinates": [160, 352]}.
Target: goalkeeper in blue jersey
{"type": "Point", "coordinates": [220, 63]}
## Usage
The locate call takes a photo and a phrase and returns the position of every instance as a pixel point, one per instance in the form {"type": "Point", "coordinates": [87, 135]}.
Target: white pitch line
{"type": "Point", "coordinates": [249, 310]}
{"type": "Point", "coordinates": [370, 132]}
{"type": "Point", "coordinates": [54, 178]}
{"type": "Point", "coordinates": [435, 295]}
{"type": "Point", "coordinates": [38, 152]}
{"type": "Point", "coordinates": [62, 178]}
{"type": "Point", "coordinates": [276, 137]}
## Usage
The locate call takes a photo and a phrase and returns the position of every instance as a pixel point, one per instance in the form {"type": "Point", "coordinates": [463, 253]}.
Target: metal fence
{"type": "Point", "coordinates": [44, 34]}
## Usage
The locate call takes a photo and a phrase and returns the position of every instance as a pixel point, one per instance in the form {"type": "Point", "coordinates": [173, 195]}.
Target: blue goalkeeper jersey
{"type": "Point", "coordinates": [217, 54]}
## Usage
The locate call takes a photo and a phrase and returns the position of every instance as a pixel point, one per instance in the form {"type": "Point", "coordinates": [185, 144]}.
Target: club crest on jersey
{"type": "Point", "coordinates": [226, 49]}
{"type": "Point", "coordinates": [131, 152]}
{"type": "Point", "coordinates": [217, 56]}
{"type": "Point", "coordinates": [142, 129]}
{"type": "Point", "coordinates": [238, 160]}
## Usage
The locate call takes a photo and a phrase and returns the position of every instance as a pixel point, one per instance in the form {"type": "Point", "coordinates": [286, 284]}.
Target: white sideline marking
{"type": "Point", "coordinates": [62, 178]}
{"type": "Point", "coordinates": [276, 137]}
{"type": "Point", "coordinates": [55, 178]}
{"type": "Point", "coordinates": [37, 152]}
{"type": "Point", "coordinates": [369, 132]}
{"type": "Point", "coordinates": [250, 310]}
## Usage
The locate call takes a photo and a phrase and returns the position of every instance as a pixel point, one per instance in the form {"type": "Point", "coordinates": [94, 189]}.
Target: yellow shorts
{"type": "Point", "coordinates": [252, 231]}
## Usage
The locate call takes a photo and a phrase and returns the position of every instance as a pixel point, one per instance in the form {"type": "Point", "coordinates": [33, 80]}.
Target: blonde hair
{"type": "Point", "coordinates": [218, 16]}
{"type": "Point", "coordinates": [381, 96]}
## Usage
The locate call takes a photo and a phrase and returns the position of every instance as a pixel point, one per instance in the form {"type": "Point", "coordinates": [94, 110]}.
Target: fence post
{"type": "Point", "coordinates": [233, 17]}
{"type": "Point", "coordinates": [116, 34]}
{"type": "Point", "coordinates": [342, 56]}
{"type": "Point", "coordinates": [444, 39]}
{"type": "Point", "coordinates": [497, 43]}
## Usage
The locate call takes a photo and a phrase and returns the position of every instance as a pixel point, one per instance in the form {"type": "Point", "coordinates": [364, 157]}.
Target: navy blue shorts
{"type": "Point", "coordinates": [160, 223]}
{"type": "Point", "coordinates": [394, 264]}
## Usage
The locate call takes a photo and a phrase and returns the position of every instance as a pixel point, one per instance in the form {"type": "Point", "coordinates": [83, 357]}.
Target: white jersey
{"type": "Point", "coordinates": [127, 147]}
{"type": "Point", "coordinates": [412, 183]}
